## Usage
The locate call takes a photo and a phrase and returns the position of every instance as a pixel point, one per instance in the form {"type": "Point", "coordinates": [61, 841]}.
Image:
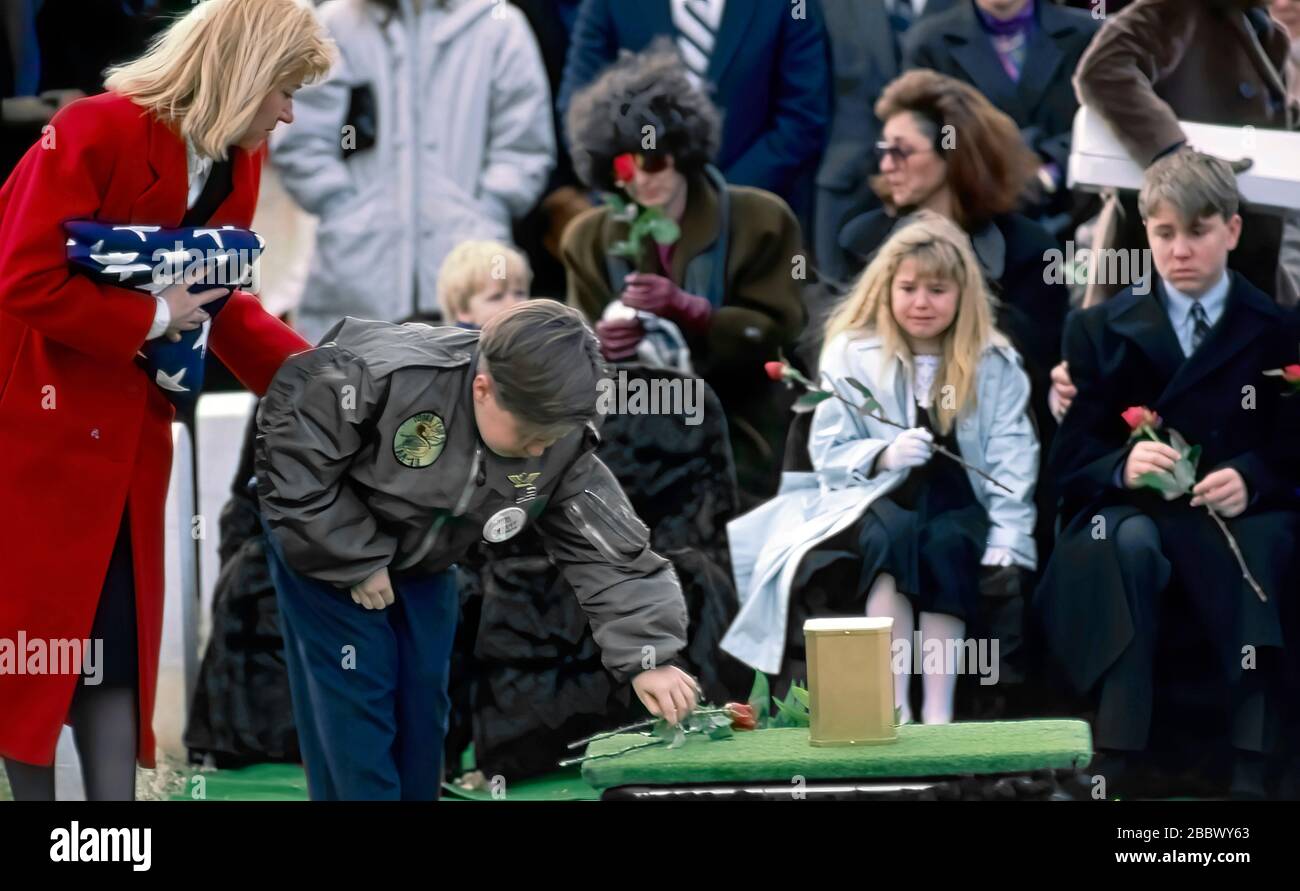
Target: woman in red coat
{"type": "Point", "coordinates": [85, 434]}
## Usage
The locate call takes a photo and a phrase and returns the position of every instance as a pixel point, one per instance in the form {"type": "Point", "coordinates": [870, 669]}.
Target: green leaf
{"type": "Point", "coordinates": [1184, 474]}
{"type": "Point", "coordinates": [1163, 483]}
{"type": "Point", "coordinates": [679, 738]}
{"type": "Point", "coordinates": [625, 248]}
{"type": "Point", "coordinates": [1194, 456]}
{"type": "Point", "coordinates": [810, 400]}
{"type": "Point", "coordinates": [1180, 445]}
{"type": "Point", "coordinates": [759, 695]}
{"type": "Point", "coordinates": [663, 730]}
{"type": "Point", "coordinates": [800, 695]}
{"type": "Point", "coordinates": [861, 388]}
{"type": "Point", "coordinates": [616, 201]}
{"type": "Point", "coordinates": [723, 731]}
{"type": "Point", "coordinates": [663, 230]}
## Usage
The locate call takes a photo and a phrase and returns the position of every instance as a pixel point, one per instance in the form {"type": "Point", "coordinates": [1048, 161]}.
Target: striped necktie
{"type": "Point", "coordinates": [696, 24]}
{"type": "Point", "coordinates": [1200, 325]}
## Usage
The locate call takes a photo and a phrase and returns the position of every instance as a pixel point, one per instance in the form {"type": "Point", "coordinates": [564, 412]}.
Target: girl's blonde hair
{"type": "Point", "coordinates": [207, 74]}
{"type": "Point", "coordinates": [941, 250]}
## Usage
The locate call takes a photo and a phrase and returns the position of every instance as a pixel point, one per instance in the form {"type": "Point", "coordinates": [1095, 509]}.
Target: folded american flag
{"type": "Point", "coordinates": [151, 259]}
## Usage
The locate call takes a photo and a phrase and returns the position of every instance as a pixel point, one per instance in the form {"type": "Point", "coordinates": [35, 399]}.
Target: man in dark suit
{"type": "Point", "coordinates": [1195, 349]}
{"type": "Point", "coordinates": [1020, 54]}
{"type": "Point", "coordinates": [865, 56]}
{"type": "Point", "coordinates": [765, 64]}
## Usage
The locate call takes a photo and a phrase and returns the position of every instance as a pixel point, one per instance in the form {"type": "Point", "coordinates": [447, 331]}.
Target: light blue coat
{"type": "Point", "coordinates": [768, 543]}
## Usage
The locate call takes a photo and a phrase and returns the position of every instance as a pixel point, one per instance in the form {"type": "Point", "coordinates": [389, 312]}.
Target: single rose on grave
{"type": "Point", "coordinates": [1143, 422]}
{"type": "Point", "coordinates": [742, 716]}
{"type": "Point", "coordinates": [717, 723]}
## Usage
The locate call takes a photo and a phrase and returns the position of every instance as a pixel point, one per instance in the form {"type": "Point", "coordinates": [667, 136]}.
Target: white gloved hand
{"type": "Point", "coordinates": [911, 448]}
{"type": "Point", "coordinates": [994, 556]}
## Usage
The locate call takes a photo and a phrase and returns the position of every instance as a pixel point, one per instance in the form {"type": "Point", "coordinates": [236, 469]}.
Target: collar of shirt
{"type": "Point", "coordinates": [1179, 307]}
{"type": "Point", "coordinates": [199, 169]}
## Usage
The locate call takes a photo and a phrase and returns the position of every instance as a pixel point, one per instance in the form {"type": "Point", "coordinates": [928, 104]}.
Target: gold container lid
{"type": "Point", "coordinates": [849, 625]}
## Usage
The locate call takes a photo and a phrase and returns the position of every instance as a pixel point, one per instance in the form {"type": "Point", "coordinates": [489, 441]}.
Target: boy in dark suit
{"type": "Point", "coordinates": [1194, 348]}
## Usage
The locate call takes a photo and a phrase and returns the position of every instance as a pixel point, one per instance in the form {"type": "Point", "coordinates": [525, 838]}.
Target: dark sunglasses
{"type": "Point", "coordinates": [899, 153]}
{"type": "Point", "coordinates": [652, 163]}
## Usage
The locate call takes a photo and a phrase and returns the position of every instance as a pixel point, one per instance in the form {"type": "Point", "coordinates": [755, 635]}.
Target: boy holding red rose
{"type": "Point", "coordinates": [1194, 351]}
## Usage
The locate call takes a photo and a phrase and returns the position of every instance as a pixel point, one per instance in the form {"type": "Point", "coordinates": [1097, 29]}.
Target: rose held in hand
{"type": "Point", "coordinates": [1140, 419]}
{"type": "Point", "coordinates": [624, 168]}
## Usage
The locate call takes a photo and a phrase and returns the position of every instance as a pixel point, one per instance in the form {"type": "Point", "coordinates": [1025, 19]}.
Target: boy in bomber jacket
{"type": "Point", "coordinates": [382, 456]}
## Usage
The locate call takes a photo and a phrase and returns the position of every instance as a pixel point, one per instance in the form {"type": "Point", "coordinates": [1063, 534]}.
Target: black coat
{"type": "Point", "coordinates": [1125, 353]}
{"type": "Point", "coordinates": [527, 678]}
{"type": "Point", "coordinates": [1042, 102]}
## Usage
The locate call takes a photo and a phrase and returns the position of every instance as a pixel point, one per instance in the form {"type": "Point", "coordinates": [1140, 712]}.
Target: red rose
{"type": "Point", "coordinates": [1291, 374]}
{"type": "Point", "coordinates": [1139, 416]}
{"type": "Point", "coordinates": [624, 168]}
{"type": "Point", "coordinates": [742, 716]}
{"type": "Point", "coordinates": [775, 370]}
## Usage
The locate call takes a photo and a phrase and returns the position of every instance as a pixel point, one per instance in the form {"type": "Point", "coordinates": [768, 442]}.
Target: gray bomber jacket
{"type": "Point", "coordinates": [368, 457]}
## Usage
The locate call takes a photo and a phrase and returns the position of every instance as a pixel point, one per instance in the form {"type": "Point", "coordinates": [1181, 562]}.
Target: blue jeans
{"type": "Point", "coordinates": [369, 686]}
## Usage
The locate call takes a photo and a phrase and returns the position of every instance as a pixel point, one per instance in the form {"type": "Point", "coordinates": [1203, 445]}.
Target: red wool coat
{"type": "Point", "coordinates": [83, 431]}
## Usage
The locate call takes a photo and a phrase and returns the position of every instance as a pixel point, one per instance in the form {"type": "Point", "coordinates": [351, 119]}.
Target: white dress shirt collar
{"type": "Point", "coordinates": [1179, 307]}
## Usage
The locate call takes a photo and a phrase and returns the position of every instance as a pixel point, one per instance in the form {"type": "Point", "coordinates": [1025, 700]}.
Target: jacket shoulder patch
{"type": "Point", "coordinates": [420, 439]}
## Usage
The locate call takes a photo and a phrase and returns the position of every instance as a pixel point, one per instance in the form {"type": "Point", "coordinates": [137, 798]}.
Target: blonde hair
{"type": "Point", "coordinates": [940, 250]}
{"type": "Point", "coordinates": [471, 266]}
{"type": "Point", "coordinates": [1194, 184]}
{"type": "Point", "coordinates": [209, 71]}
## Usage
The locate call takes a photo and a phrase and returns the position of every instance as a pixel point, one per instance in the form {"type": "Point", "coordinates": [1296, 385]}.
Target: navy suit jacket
{"type": "Point", "coordinates": [770, 73]}
{"type": "Point", "coordinates": [1125, 353]}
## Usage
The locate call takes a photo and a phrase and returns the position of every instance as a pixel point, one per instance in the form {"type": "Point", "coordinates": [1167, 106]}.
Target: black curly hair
{"type": "Point", "coordinates": [646, 89]}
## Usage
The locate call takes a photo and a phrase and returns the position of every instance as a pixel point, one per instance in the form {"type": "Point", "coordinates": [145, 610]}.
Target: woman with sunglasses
{"type": "Point", "coordinates": [947, 149]}
{"type": "Point", "coordinates": [729, 283]}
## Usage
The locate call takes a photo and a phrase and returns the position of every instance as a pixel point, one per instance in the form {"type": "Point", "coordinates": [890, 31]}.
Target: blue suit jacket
{"type": "Point", "coordinates": [771, 77]}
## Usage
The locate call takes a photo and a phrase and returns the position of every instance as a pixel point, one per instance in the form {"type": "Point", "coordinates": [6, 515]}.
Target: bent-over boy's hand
{"type": "Point", "coordinates": [1224, 490]}
{"type": "Point", "coordinates": [375, 592]}
{"type": "Point", "coordinates": [667, 692]}
{"type": "Point", "coordinates": [1148, 457]}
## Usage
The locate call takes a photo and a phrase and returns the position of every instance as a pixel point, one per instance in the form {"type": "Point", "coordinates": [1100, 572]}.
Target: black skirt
{"type": "Point", "coordinates": [115, 618]}
{"type": "Point", "coordinates": [929, 534]}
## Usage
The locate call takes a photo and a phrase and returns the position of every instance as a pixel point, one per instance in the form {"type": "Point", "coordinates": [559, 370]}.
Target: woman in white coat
{"type": "Point", "coordinates": [916, 329]}
{"type": "Point", "coordinates": [434, 128]}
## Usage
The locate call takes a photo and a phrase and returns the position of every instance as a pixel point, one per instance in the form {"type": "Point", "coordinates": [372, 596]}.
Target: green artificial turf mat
{"type": "Point", "coordinates": [778, 755]}
{"type": "Point", "coordinates": [288, 782]}
{"type": "Point", "coordinates": [260, 782]}
{"type": "Point", "coordinates": [563, 785]}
